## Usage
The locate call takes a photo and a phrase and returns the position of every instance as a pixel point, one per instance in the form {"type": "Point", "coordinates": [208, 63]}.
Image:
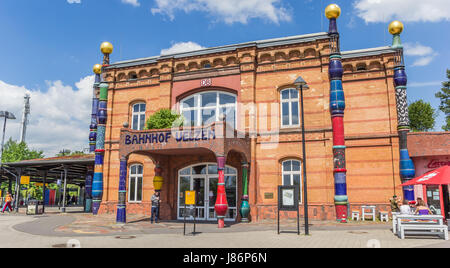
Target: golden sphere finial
{"type": "Point", "coordinates": [97, 69]}
{"type": "Point", "coordinates": [106, 48]}
{"type": "Point", "coordinates": [332, 11]}
{"type": "Point", "coordinates": [396, 27]}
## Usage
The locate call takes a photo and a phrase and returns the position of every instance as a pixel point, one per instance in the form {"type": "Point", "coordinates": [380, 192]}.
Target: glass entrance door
{"type": "Point", "coordinates": [203, 179]}
{"type": "Point", "coordinates": [199, 185]}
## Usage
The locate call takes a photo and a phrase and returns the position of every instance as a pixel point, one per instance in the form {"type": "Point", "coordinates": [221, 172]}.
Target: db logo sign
{"type": "Point", "coordinates": [206, 82]}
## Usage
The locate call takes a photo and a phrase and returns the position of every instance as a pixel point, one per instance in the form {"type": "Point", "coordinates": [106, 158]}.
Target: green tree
{"type": "Point", "coordinates": [444, 95]}
{"type": "Point", "coordinates": [422, 116]}
{"type": "Point", "coordinates": [17, 151]}
{"type": "Point", "coordinates": [66, 152]}
{"type": "Point", "coordinates": [164, 119]}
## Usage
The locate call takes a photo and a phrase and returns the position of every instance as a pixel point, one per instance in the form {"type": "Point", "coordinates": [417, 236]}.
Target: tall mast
{"type": "Point", "coordinates": [25, 119]}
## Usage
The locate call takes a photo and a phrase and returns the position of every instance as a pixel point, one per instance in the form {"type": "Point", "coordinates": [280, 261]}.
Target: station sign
{"type": "Point", "coordinates": [182, 136]}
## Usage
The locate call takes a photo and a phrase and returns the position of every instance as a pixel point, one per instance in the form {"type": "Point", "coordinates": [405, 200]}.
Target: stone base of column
{"type": "Point", "coordinates": [88, 207]}
{"type": "Point", "coordinates": [95, 207]}
{"type": "Point", "coordinates": [341, 213]}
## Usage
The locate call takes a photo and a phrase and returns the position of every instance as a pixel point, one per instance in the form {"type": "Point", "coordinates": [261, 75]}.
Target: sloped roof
{"type": "Point", "coordinates": [428, 144]}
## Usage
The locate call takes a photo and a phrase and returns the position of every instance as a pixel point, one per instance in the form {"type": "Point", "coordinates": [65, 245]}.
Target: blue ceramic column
{"type": "Point", "coordinates": [121, 205]}
{"type": "Point", "coordinates": [407, 170]}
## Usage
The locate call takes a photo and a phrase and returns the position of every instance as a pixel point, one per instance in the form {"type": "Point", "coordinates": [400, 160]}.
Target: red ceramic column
{"type": "Point", "coordinates": [221, 206]}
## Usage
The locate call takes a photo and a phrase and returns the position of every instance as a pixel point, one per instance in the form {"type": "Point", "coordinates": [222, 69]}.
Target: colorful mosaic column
{"type": "Point", "coordinates": [221, 206]}
{"type": "Point", "coordinates": [245, 206]}
{"type": "Point", "coordinates": [93, 126]}
{"type": "Point", "coordinates": [88, 190]}
{"type": "Point", "coordinates": [97, 184]}
{"type": "Point", "coordinates": [407, 170]}
{"type": "Point", "coordinates": [122, 205]}
{"type": "Point", "coordinates": [337, 108]}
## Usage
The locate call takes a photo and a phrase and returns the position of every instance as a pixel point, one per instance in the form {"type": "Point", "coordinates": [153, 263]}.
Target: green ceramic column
{"type": "Point", "coordinates": [245, 206]}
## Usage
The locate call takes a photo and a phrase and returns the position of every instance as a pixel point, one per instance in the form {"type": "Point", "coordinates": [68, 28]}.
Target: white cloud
{"type": "Point", "coordinates": [132, 2]}
{"type": "Point", "coordinates": [229, 11]}
{"type": "Point", "coordinates": [404, 10]}
{"type": "Point", "coordinates": [60, 116]}
{"type": "Point", "coordinates": [181, 47]}
{"type": "Point", "coordinates": [423, 55]}
{"type": "Point", "coordinates": [74, 1]}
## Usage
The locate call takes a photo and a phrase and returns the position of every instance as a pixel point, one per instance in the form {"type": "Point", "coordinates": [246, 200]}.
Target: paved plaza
{"type": "Point", "coordinates": [88, 231]}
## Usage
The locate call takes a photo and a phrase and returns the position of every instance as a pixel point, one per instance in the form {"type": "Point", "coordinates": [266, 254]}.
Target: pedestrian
{"type": "Point", "coordinates": [422, 208]}
{"type": "Point", "coordinates": [405, 209]}
{"type": "Point", "coordinates": [155, 207]}
{"type": "Point", "coordinates": [8, 201]}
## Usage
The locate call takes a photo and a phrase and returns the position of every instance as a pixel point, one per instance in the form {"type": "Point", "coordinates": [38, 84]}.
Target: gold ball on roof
{"type": "Point", "coordinates": [333, 11]}
{"type": "Point", "coordinates": [106, 48]}
{"type": "Point", "coordinates": [97, 69]}
{"type": "Point", "coordinates": [396, 27]}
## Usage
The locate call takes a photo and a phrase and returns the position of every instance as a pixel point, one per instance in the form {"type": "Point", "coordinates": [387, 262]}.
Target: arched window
{"type": "Point", "coordinates": [292, 174]}
{"type": "Point", "coordinates": [289, 108]}
{"type": "Point", "coordinates": [205, 108]}
{"type": "Point", "coordinates": [138, 116]}
{"type": "Point", "coordinates": [135, 183]}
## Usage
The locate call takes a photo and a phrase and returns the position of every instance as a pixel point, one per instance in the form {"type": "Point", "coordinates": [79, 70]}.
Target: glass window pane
{"type": "Point", "coordinates": [230, 171]}
{"type": "Point", "coordinates": [132, 189]}
{"type": "Point", "coordinates": [189, 118]}
{"type": "Point", "coordinates": [287, 166]}
{"type": "Point", "coordinates": [140, 169]}
{"type": "Point", "coordinates": [136, 108]}
{"type": "Point", "coordinates": [230, 115]}
{"type": "Point", "coordinates": [294, 94]}
{"type": "Point", "coordinates": [297, 179]}
{"type": "Point", "coordinates": [135, 122]}
{"type": "Point", "coordinates": [212, 195]}
{"type": "Point", "coordinates": [142, 122]}
{"type": "Point", "coordinates": [209, 99]}
{"type": "Point", "coordinates": [212, 169]}
{"type": "Point", "coordinates": [139, 189]}
{"type": "Point", "coordinates": [230, 189]}
{"type": "Point", "coordinates": [286, 180]}
{"type": "Point", "coordinates": [295, 113]}
{"type": "Point", "coordinates": [142, 107]}
{"type": "Point", "coordinates": [285, 113]}
{"type": "Point", "coordinates": [201, 169]}
{"type": "Point", "coordinates": [186, 171]}
{"type": "Point", "coordinates": [185, 185]}
{"type": "Point", "coordinates": [189, 103]}
{"type": "Point", "coordinates": [295, 165]}
{"type": "Point", "coordinates": [133, 169]}
{"type": "Point", "coordinates": [208, 116]}
{"type": "Point", "coordinates": [226, 99]}
{"type": "Point", "coordinates": [285, 94]}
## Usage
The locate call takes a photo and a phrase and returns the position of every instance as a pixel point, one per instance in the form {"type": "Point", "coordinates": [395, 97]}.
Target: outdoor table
{"type": "Point", "coordinates": [412, 219]}
{"type": "Point", "coordinates": [372, 212]}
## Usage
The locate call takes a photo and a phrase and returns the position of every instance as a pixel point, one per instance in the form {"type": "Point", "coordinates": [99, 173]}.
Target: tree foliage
{"type": "Point", "coordinates": [444, 95]}
{"type": "Point", "coordinates": [164, 119]}
{"type": "Point", "coordinates": [65, 152]}
{"type": "Point", "coordinates": [17, 151]}
{"type": "Point", "coordinates": [422, 116]}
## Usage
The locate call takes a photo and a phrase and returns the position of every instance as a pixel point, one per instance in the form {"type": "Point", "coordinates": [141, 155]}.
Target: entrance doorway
{"type": "Point", "coordinates": [203, 179]}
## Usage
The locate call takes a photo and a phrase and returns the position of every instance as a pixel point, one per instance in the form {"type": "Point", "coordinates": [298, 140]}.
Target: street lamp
{"type": "Point", "coordinates": [301, 84]}
{"type": "Point", "coordinates": [6, 115]}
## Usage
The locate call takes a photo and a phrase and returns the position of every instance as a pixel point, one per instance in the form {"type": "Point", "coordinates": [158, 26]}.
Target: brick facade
{"type": "Point", "coordinates": [257, 74]}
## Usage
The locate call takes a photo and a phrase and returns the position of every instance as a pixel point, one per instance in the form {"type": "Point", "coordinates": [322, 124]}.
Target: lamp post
{"type": "Point", "coordinates": [6, 115]}
{"type": "Point", "coordinates": [301, 84]}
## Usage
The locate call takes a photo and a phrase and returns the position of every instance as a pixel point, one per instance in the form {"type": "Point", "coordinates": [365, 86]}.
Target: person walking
{"type": "Point", "coordinates": [155, 207]}
{"type": "Point", "coordinates": [8, 201]}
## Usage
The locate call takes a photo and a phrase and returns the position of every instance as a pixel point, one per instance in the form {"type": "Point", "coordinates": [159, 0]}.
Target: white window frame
{"type": "Point", "coordinates": [198, 109]}
{"type": "Point", "coordinates": [290, 101]}
{"type": "Point", "coordinates": [135, 177]}
{"type": "Point", "coordinates": [133, 113]}
{"type": "Point", "coordinates": [291, 175]}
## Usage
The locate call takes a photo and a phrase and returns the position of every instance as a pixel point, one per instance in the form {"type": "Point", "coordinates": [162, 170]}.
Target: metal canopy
{"type": "Point", "coordinates": [77, 167]}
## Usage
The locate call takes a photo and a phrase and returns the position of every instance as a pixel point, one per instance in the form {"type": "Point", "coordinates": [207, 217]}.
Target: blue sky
{"type": "Point", "coordinates": [52, 44]}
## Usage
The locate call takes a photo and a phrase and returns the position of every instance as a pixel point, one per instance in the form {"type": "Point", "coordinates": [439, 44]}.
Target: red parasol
{"type": "Point", "coordinates": [438, 176]}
